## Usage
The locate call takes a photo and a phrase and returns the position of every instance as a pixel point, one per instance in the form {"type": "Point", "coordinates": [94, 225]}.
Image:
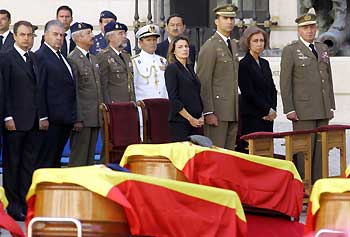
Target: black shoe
{"type": "Point", "coordinates": [18, 216]}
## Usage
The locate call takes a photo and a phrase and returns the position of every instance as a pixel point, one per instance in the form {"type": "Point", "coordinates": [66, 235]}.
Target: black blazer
{"type": "Point", "coordinates": [8, 44]}
{"type": "Point", "coordinates": [258, 91]}
{"type": "Point", "coordinates": [59, 87]}
{"type": "Point", "coordinates": [162, 50]}
{"type": "Point", "coordinates": [183, 89]}
{"type": "Point", "coordinates": [23, 90]}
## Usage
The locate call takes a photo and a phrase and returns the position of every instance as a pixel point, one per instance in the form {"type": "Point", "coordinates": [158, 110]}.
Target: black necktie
{"type": "Point", "coordinates": [63, 63]}
{"type": "Point", "coordinates": [29, 62]}
{"type": "Point", "coordinates": [59, 55]}
{"type": "Point", "coordinates": [64, 46]}
{"type": "Point", "coordinates": [312, 46]}
{"type": "Point", "coordinates": [88, 56]}
{"type": "Point", "coordinates": [121, 57]}
{"type": "Point", "coordinates": [1, 38]}
{"type": "Point", "coordinates": [229, 45]}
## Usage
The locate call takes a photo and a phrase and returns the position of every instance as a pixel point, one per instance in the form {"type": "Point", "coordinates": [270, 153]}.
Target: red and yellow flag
{"type": "Point", "coordinates": [330, 185]}
{"type": "Point", "coordinates": [259, 181]}
{"type": "Point", "coordinates": [6, 221]}
{"type": "Point", "coordinates": [153, 206]}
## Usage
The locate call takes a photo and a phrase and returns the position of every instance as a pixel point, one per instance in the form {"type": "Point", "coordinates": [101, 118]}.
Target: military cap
{"type": "Point", "coordinates": [77, 26]}
{"type": "Point", "coordinates": [107, 14]}
{"type": "Point", "coordinates": [147, 30]}
{"type": "Point", "coordinates": [113, 25]}
{"type": "Point", "coordinates": [306, 19]}
{"type": "Point", "coordinates": [227, 10]}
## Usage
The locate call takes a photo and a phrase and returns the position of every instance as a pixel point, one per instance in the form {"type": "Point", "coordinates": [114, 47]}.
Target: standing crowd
{"type": "Point", "coordinates": [55, 93]}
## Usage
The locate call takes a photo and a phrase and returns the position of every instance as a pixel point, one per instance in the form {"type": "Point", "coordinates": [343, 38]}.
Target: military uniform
{"type": "Point", "coordinates": [100, 43]}
{"type": "Point", "coordinates": [149, 69]}
{"type": "Point", "coordinates": [116, 70]}
{"type": "Point", "coordinates": [307, 88]}
{"type": "Point", "coordinates": [217, 69]}
{"type": "Point", "coordinates": [89, 98]}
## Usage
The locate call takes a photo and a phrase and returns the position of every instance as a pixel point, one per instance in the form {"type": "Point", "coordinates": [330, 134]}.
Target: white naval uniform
{"type": "Point", "coordinates": [149, 78]}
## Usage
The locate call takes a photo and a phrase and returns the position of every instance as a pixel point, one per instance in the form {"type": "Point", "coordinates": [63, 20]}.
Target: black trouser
{"type": "Point", "coordinates": [20, 157]}
{"type": "Point", "coordinates": [53, 145]}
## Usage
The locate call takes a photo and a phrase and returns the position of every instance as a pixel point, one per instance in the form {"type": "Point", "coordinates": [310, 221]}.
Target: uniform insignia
{"type": "Point", "coordinates": [81, 56]}
{"type": "Point", "coordinates": [111, 60]}
{"type": "Point", "coordinates": [97, 44]}
{"type": "Point", "coordinates": [79, 26]}
{"type": "Point", "coordinates": [301, 55]}
{"type": "Point", "coordinates": [307, 17]}
{"type": "Point", "coordinates": [324, 57]}
{"type": "Point", "coordinates": [152, 29]}
{"type": "Point", "coordinates": [97, 66]}
{"type": "Point", "coordinates": [139, 61]}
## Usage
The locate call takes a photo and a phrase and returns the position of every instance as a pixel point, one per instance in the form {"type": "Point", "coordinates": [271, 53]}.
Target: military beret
{"type": "Point", "coordinates": [113, 25]}
{"type": "Point", "coordinates": [306, 19]}
{"type": "Point", "coordinates": [228, 10]}
{"type": "Point", "coordinates": [107, 14]}
{"type": "Point", "coordinates": [77, 26]}
{"type": "Point", "coordinates": [147, 30]}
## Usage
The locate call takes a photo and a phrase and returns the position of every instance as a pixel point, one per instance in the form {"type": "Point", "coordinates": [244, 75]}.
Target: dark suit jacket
{"type": "Point", "coordinates": [8, 44]}
{"type": "Point", "coordinates": [184, 90]}
{"type": "Point", "coordinates": [23, 91]}
{"type": "Point", "coordinates": [258, 91]}
{"type": "Point", "coordinates": [162, 50]}
{"type": "Point", "coordinates": [59, 87]}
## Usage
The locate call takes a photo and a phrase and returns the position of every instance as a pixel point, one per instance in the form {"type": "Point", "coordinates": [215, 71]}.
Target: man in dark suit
{"type": "Point", "coordinates": [100, 41]}
{"type": "Point", "coordinates": [65, 15]}
{"type": "Point", "coordinates": [175, 26]}
{"type": "Point", "coordinates": [6, 37]}
{"type": "Point", "coordinates": [60, 94]}
{"type": "Point", "coordinates": [25, 117]}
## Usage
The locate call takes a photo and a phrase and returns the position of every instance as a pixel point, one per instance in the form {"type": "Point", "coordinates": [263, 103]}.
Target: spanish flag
{"type": "Point", "coordinates": [259, 181]}
{"type": "Point", "coordinates": [6, 221]}
{"type": "Point", "coordinates": [153, 206]}
{"type": "Point", "coordinates": [330, 185]}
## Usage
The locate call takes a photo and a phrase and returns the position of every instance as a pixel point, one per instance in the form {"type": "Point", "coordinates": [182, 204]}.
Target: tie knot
{"type": "Point", "coordinates": [88, 55]}
{"type": "Point", "coordinates": [1, 37]}
{"type": "Point", "coordinates": [312, 46]}
{"type": "Point", "coordinates": [26, 55]}
{"type": "Point", "coordinates": [65, 35]}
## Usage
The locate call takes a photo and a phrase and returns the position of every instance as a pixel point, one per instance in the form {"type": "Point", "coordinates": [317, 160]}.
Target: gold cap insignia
{"type": "Point", "coordinates": [307, 17]}
{"type": "Point", "coordinates": [152, 29]}
{"type": "Point", "coordinates": [229, 8]}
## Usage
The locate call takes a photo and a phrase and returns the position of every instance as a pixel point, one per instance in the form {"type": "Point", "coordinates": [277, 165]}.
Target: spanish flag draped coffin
{"type": "Point", "coordinates": [153, 206]}
{"type": "Point", "coordinates": [6, 221]}
{"type": "Point", "coordinates": [259, 181]}
{"type": "Point", "coordinates": [338, 218]}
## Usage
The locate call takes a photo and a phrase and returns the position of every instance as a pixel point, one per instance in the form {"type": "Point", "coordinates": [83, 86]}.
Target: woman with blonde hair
{"type": "Point", "coordinates": [258, 92]}
{"type": "Point", "coordinates": [183, 86]}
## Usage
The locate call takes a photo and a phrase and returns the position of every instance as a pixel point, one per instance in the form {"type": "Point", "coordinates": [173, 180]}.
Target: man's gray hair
{"type": "Point", "coordinates": [107, 35]}
{"type": "Point", "coordinates": [51, 23]}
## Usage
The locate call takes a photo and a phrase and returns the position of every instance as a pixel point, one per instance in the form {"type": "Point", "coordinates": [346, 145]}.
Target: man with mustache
{"type": "Point", "coordinates": [89, 96]}
{"type": "Point", "coordinates": [175, 26]}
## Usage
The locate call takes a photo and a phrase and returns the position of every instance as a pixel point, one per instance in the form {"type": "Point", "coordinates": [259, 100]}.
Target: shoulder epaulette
{"type": "Point", "coordinates": [135, 56]}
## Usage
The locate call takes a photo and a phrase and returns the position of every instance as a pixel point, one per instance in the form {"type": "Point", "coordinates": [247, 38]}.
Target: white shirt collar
{"type": "Point", "coordinates": [169, 40]}
{"type": "Point", "coordinates": [69, 34]}
{"type": "Point", "coordinates": [52, 49]}
{"type": "Point", "coordinates": [21, 51]}
{"type": "Point", "coordinates": [83, 50]}
{"type": "Point", "coordinates": [5, 34]}
{"type": "Point", "coordinates": [116, 51]}
{"type": "Point", "coordinates": [306, 43]}
{"type": "Point", "coordinates": [223, 37]}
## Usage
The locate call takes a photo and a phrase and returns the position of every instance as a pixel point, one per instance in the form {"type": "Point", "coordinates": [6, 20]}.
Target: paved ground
{"type": "Point", "coordinates": [342, 116]}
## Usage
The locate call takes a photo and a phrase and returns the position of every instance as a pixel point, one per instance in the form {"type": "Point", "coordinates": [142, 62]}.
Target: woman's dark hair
{"type": "Point", "coordinates": [171, 57]}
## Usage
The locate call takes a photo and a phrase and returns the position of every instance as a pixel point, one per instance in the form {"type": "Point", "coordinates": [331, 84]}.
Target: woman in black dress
{"type": "Point", "coordinates": [183, 86]}
{"type": "Point", "coordinates": [258, 92]}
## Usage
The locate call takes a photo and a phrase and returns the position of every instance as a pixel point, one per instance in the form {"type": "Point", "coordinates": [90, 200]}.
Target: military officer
{"type": "Point", "coordinates": [116, 66]}
{"type": "Point", "coordinates": [306, 86]}
{"type": "Point", "coordinates": [217, 70]}
{"type": "Point", "coordinates": [149, 67]}
{"type": "Point", "coordinates": [89, 97]}
{"type": "Point", "coordinates": [100, 41]}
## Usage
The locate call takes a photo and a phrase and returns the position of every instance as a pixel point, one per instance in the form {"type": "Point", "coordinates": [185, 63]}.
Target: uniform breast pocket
{"type": "Point", "coordinates": [303, 62]}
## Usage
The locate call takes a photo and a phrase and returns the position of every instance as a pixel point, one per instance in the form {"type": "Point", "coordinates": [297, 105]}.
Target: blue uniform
{"type": "Point", "coordinates": [100, 43]}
